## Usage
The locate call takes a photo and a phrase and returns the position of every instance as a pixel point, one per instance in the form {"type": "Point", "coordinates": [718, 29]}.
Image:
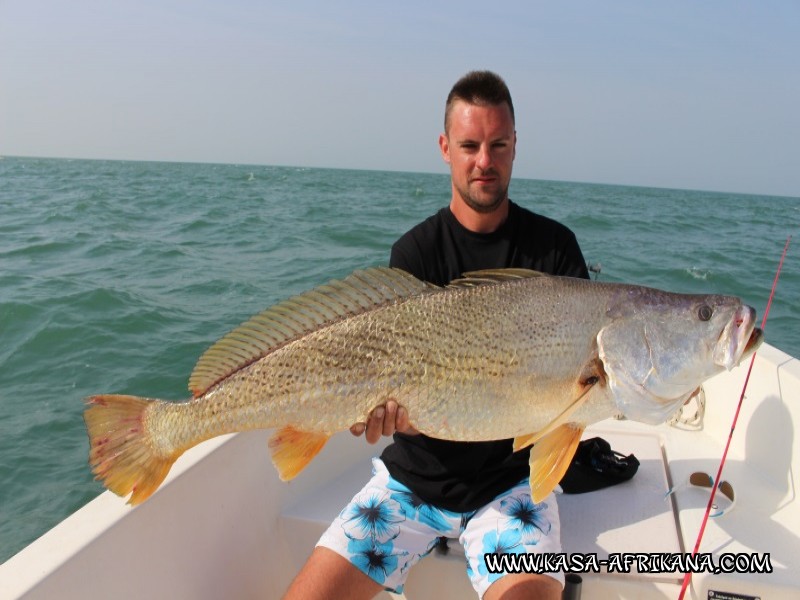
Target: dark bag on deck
{"type": "Point", "coordinates": [595, 466]}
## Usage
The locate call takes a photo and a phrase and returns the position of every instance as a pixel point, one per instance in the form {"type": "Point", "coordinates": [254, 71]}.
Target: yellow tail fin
{"type": "Point", "coordinates": [120, 452]}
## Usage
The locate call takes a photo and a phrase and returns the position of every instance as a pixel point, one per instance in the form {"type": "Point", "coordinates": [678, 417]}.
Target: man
{"type": "Point", "coordinates": [425, 488]}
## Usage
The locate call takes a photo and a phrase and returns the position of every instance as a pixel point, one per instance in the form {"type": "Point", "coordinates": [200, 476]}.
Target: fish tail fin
{"type": "Point", "coordinates": [120, 450]}
{"type": "Point", "coordinates": [293, 449]}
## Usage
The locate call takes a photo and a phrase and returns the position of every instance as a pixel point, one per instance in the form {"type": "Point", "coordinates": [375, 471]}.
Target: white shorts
{"type": "Point", "coordinates": [386, 529]}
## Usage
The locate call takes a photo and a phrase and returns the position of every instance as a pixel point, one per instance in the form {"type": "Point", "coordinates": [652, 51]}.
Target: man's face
{"type": "Point", "coordinates": [479, 146]}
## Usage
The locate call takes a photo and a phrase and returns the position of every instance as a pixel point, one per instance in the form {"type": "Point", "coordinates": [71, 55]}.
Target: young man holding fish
{"type": "Point", "coordinates": [425, 488]}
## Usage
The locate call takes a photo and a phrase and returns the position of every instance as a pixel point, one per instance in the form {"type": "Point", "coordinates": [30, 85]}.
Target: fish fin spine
{"type": "Point", "coordinates": [492, 276]}
{"type": "Point", "coordinates": [121, 452]}
{"type": "Point", "coordinates": [523, 441]}
{"type": "Point", "coordinates": [587, 381]}
{"type": "Point", "coordinates": [550, 458]}
{"type": "Point", "coordinates": [292, 450]}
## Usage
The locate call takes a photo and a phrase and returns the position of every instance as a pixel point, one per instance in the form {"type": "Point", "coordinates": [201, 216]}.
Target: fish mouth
{"type": "Point", "coordinates": [755, 340]}
{"type": "Point", "coordinates": [739, 339]}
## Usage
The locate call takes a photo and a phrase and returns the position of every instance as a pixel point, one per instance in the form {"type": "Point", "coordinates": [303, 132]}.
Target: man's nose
{"type": "Point", "coordinates": [484, 158]}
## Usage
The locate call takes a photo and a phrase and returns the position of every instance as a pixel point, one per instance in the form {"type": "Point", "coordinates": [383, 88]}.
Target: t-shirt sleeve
{"type": "Point", "coordinates": [407, 255]}
{"type": "Point", "coordinates": [571, 261]}
{"type": "Point", "coordinates": [398, 258]}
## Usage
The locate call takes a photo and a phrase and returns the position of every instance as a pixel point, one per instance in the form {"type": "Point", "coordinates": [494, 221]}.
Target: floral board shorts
{"type": "Point", "coordinates": [386, 529]}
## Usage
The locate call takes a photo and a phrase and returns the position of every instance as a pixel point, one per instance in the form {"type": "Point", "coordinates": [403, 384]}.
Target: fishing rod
{"type": "Point", "coordinates": [715, 484]}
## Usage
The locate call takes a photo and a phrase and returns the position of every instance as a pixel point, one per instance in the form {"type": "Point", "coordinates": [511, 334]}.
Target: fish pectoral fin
{"type": "Point", "coordinates": [523, 441]}
{"type": "Point", "coordinates": [292, 450]}
{"type": "Point", "coordinates": [591, 375]}
{"type": "Point", "coordinates": [550, 458]}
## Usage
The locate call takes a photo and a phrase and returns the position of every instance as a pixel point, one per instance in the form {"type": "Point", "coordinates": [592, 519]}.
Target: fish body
{"type": "Point", "coordinates": [500, 354]}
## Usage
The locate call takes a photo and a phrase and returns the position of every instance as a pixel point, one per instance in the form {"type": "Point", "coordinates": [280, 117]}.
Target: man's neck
{"type": "Point", "coordinates": [479, 222]}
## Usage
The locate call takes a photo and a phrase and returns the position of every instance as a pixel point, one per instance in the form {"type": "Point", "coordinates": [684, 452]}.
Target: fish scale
{"type": "Point", "coordinates": [499, 354]}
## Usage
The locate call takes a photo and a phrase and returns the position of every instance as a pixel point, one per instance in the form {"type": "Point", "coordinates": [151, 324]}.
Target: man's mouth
{"type": "Point", "coordinates": [487, 178]}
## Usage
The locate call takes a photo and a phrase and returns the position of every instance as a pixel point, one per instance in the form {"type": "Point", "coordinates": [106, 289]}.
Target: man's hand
{"type": "Point", "coordinates": [384, 420]}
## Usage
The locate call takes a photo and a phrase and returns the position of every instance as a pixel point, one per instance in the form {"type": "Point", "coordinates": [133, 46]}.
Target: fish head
{"type": "Point", "coordinates": [659, 347]}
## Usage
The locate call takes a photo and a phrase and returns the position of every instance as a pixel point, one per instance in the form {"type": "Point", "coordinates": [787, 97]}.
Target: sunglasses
{"type": "Point", "coordinates": [699, 479]}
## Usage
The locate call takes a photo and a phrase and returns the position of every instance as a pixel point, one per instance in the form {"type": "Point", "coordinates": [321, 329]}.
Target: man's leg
{"type": "Point", "coordinates": [513, 524]}
{"type": "Point", "coordinates": [328, 576]}
{"type": "Point", "coordinates": [524, 586]}
{"type": "Point", "coordinates": [374, 541]}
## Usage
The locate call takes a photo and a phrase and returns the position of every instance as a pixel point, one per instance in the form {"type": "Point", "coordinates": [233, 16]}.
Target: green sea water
{"type": "Point", "coordinates": [115, 276]}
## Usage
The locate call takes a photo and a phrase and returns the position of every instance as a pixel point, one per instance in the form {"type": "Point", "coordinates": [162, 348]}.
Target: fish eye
{"type": "Point", "coordinates": [705, 312]}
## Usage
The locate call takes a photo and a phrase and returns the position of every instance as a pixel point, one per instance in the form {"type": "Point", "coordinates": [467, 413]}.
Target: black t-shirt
{"type": "Point", "coordinates": [463, 476]}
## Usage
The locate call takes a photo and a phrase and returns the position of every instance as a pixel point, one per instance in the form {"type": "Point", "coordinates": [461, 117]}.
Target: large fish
{"type": "Point", "coordinates": [498, 354]}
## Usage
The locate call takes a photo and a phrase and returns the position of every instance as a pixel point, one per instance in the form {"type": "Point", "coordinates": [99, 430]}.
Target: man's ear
{"type": "Point", "coordinates": [444, 146]}
{"type": "Point", "coordinates": [514, 154]}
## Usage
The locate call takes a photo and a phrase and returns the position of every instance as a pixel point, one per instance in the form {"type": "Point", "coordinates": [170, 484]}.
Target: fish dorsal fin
{"type": "Point", "coordinates": [492, 276]}
{"type": "Point", "coordinates": [357, 293]}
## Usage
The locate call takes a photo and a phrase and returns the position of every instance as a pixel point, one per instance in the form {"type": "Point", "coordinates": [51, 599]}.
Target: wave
{"type": "Point", "coordinates": [698, 273]}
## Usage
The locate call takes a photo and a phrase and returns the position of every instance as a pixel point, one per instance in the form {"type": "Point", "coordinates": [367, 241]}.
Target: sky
{"type": "Point", "coordinates": [679, 94]}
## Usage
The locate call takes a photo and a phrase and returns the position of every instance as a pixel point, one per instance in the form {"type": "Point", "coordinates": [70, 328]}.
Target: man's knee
{"type": "Point", "coordinates": [524, 585]}
{"type": "Point", "coordinates": [327, 576]}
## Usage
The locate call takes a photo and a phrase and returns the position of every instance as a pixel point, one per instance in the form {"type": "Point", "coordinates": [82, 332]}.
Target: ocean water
{"type": "Point", "coordinates": [115, 276]}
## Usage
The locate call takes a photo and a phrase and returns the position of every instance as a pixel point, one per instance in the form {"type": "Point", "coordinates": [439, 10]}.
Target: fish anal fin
{"type": "Point", "coordinates": [550, 458]}
{"type": "Point", "coordinates": [292, 450]}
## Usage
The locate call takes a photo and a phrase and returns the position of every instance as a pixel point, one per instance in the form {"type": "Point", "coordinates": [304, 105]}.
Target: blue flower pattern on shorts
{"type": "Point", "coordinates": [372, 517]}
{"type": "Point", "coordinates": [371, 523]}
{"type": "Point", "coordinates": [527, 517]}
{"type": "Point", "coordinates": [507, 542]}
{"type": "Point", "coordinates": [373, 558]}
{"type": "Point", "coordinates": [415, 508]}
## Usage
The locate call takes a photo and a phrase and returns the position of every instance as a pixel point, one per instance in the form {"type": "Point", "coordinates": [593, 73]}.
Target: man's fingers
{"type": "Point", "coordinates": [384, 420]}
{"type": "Point", "coordinates": [358, 429]}
{"type": "Point", "coordinates": [403, 425]}
{"type": "Point", "coordinates": [389, 420]}
{"type": "Point", "coordinates": [375, 424]}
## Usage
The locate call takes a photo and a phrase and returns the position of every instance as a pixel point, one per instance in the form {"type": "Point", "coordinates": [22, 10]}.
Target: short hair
{"type": "Point", "coordinates": [482, 88]}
